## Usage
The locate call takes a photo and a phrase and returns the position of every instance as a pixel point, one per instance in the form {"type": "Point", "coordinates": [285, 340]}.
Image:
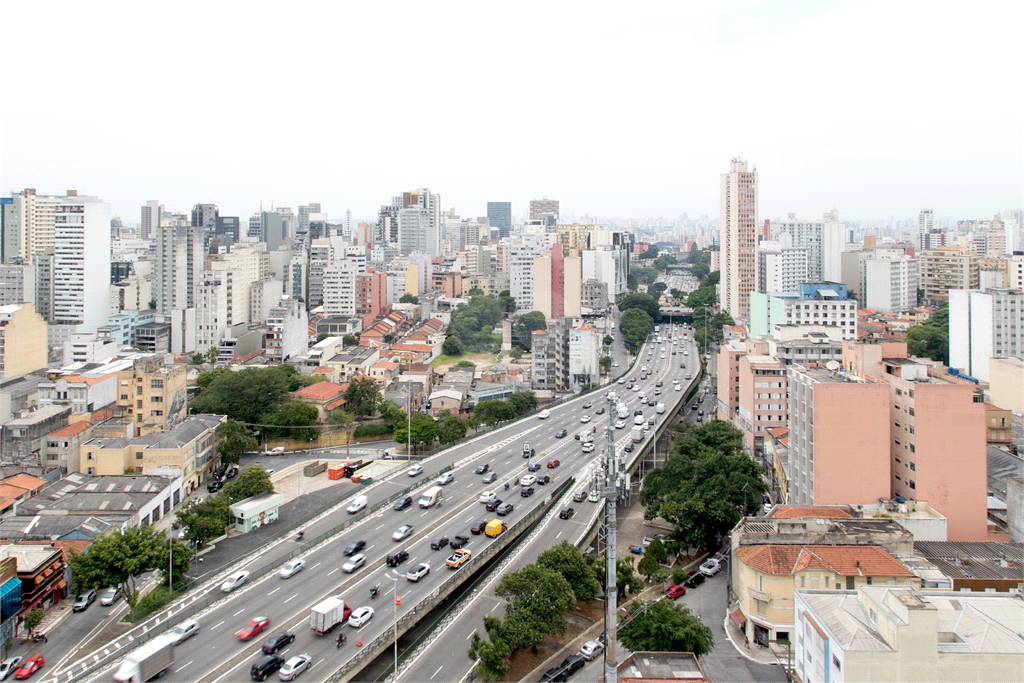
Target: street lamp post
{"type": "Point", "coordinates": [408, 431]}
{"type": "Point", "coordinates": [394, 577]}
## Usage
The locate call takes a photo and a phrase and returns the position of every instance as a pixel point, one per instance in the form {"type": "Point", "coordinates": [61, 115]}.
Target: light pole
{"type": "Point", "coordinates": [394, 577]}
{"type": "Point", "coordinates": [408, 431]}
{"type": "Point", "coordinates": [170, 561]}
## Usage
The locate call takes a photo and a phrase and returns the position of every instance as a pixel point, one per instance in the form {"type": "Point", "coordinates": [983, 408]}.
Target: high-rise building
{"type": "Point", "coordinates": [320, 258]}
{"type": "Point", "coordinates": [229, 227]}
{"type": "Point", "coordinates": [824, 241]}
{"type": "Point", "coordinates": [415, 232]}
{"type": "Point", "coordinates": [211, 311]}
{"type": "Point", "coordinates": [10, 232]}
{"type": "Point", "coordinates": [925, 228]}
{"type": "Point", "coordinates": [205, 216]}
{"type": "Point", "coordinates": [817, 303]}
{"type": "Point", "coordinates": [273, 227]}
{"type": "Point", "coordinates": [178, 266]}
{"type": "Point", "coordinates": [371, 295]}
{"type": "Point", "coordinates": [543, 210]}
{"type": "Point", "coordinates": [889, 279]}
{"type": "Point", "coordinates": [782, 268]}
{"type": "Point", "coordinates": [499, 215]}
{"type": "Point", "coordinates": [340, 290]}
{"type": "Point", "coordinates": [17, 284]}
{"type": "Point", "coordinates": [984, 325]}
{"type": "Point", "coordinates": [241, 268]}
{"type": "Point", "coordinates": [287, 331]}
{"type": "Point", "coordinates": [304, 211]}
{"type": "Point", "coordinates": [584, 352]}
{"type": "Point", "coordinates": [520, 270]}
{"type": "Point", "coordinates": [150, 219]}
{"type": "Point", "coordinates": [948, 268]}
{"type": "Point", "coordinates": [23, 340]}
{"type": "Point", "coordinates": [81, 263]}
{"type": "Point", "coordinates": [738, 238]}
{"type": "Point", "coordinates": [27, 225]}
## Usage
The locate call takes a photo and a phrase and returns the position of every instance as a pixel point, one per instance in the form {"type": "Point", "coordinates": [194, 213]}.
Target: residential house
{"type": "Point", "coordinates": [62, 446]}
{"type": "Point", "coordinates": [324, 396]}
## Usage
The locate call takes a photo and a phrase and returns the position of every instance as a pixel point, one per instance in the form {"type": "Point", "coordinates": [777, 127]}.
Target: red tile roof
{"type": "Point", "coordinates": [25, 481]}
{"type": "Point", "coordinates": [321, 391]}
{"type": "Point", "coordinates": [845, 560]}
{"type": "Point", "coordinates": [73, 429]}
{"type": "Point", "coordinates": [101, 415]}
{"type": "Point", "coordinates": [797, 511]}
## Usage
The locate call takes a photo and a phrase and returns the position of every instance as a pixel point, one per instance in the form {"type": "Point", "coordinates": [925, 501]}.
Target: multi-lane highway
{"type": "Point", "coordinates": [217, 655]}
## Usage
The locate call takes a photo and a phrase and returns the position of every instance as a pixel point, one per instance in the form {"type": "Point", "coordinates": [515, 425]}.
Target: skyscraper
{"type": "Point", "coordinates": [81, 262]}
{"type": "Point", "coordinates": [150, 219]}
{"type": "Point", "coordinates": [738, 238]}
{"type": "Point", "coordinates": [925, 225]}
{"type": "Point", "coordinates": [499, 215]}
{"type": "Point", "coordinates": [178, 267]}
{"type": "Point", "coordinates": [205, 216]}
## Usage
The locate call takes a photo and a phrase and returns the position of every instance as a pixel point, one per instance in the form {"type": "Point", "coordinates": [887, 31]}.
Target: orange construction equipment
{"type": "Point", "coordinates": [359, 641]}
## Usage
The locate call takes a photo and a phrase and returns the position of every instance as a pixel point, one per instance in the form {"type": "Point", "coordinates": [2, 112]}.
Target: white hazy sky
{"type": "Point", "coordinates": [617, 109]}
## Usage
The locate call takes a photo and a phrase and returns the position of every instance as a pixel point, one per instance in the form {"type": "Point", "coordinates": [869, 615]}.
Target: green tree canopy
{"type": "Point", "coordinates": [663, 261]}
{"type": "Point", "coordinates": [494, 411]}
{"type": "Point", "coordinates": [657, 289]}
{"type": "Point", "coordinates": [493, 653]}
{"type": "Point", "coordinates": [253, 481]}
{"type": "Point", "coordinates": [246, 395]}
{"type": "Point", "coordinates": [473, 323]}
{"type": "Point", "coordinates": [233, 440]}
{"type": "Point", "coordinates": [297, 420]}
{"type": "Point", "coordinates": [524, 401]}
{"type": "Point", "coordinates": [349, 340]}
{"type": "Point", "coordinates": [516, 354]}
{"type": "Point", "coordinates": [635, 326]}
{"type": "Point", "coordinates": [527, 323]}
{"type": "Point", "coordinates": [664, 626]}
{"type": "Point", "coordinates": [392, 413]}
{"type": "Point", "coordinates": [206, 520]}
{"type": "Point", "coordinates": [606, 364]}
{"type": "Point", "coordinates": [506, 302]}
{"type": "Point", "coordinates": [566, 559]}
{"type": "Point", "coordinates": [453, 346]}
{"type": "Point", "coordinates": [363, 397]}
{"type": "Point", "coordinates": [931, 338]}
{"type": "Point", "coordinates": [451, 429]}
{"type": "Point", "coordinates": [644, 275]}
{"type": "Point", "coordinates": [645, 302]}
{"type": "Point", "coordinates": [537, 598]}
{"type": "Point", "coordinates": [408, 298]}
{"type": "Point", "coordinates": [626, 580]}
{"type": "Point", "coordinates": [320, 337]}
{"type": "Point", "coordinates": [424, 430]}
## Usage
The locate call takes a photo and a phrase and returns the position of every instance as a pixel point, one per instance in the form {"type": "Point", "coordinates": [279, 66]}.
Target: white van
{"type": "Point", "coordinates": [431, 496]}
{"type": "Point", "coordinates": [639, 420]}
{"type": "Point", "coordinates": [621, 411]}
{"type": "Point", "coordinates": [660, 408]}
{"type": "Point", "coordinates": [358, 504]}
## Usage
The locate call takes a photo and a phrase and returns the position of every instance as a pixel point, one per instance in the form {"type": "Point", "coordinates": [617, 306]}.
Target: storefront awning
{"type": "Point", "coordinates": [738, 617]}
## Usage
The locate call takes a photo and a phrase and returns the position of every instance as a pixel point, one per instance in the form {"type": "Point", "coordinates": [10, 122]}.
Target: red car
{"type": "Point", "coordinates": [552, 464]}
{"type": "Point", "coordinates": [29, 666]}
{"type": "Point", "coordinates": [253, 628]}
{"type": "Point", "coordinates": [674, 592]}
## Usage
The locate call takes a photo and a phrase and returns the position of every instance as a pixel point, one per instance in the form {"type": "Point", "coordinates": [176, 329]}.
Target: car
{"type": "Point", "coordinates": [636, 388]}
{"type": "Point", "coordinates": [585, 419]}
{"type": "Point", "coordinates": [638, 411]}
{"type": "Point", "coordinates": [490, 477]}
{"type": "Point", "coordinates": [710, 567]}
{"type": "Point", "coordinates": [693, 407]}
{"type": "Point", "coordinates": [396, 558]}
{"type": "Point", "coordinates": [277, 642]}
{"type": "Point", "coordinates": [700, 418]}
{"type": "Point", "coordinates": [483, 468]}
{"type": "Point", "coordinates": [632, 379]}
{"type": "Point", "coordinates": [545, 479]}
{"type": "Point", "coordinates": [264, 666]}
{"type": "Point", "coordinates": [526, 491]}
{"type": "Point", "coordinates": [478, 527]}
{"type": "Point", "coordinates": [639, 420]}
{"type": "Point", "coordinates": [354, 547]}
{"type": "Point", "coordinates": [438, 542]}
{"type": "Point", "coordinates": [83, 600]}
{"type": "Point", "coordinates": [599, 411]}
{"type": "Point", "coordinates": [615, 364]}
{"type": "Point", "coordinates": [650, 539]}
{"type": "Point", "coordinates": [458, 558]}
{"type": "Point", "coordinates": [620, 424]}
{"type": "Point", "coordinates": [621, 381]}
{"type": "Point", "coordinates": [674, 591]}
{"type": "Point", "coordinates": [458, 542]}
{"type": "Point", "coordinates": [110, 596]}
{"type": "Point", "coordinates": [700, 399]}
{"type": "Point", "coordinates": [360, 616]}
{"type": "Point", "coordinates": [493, 505]}
{"type": "Point", "coordinates": [214, 486]}
{"type": "Point", "coordinates": [253, 628]}
{"type": "Point", "coordinates": [183, 631]}
{"type": "Point", "coordinates": [446, 478]}
{"type": "Point", "coordinates": [291, 568]}
{"type": "Point", "coordinates": [9, 666]}
{"type": "Point", "coordinates": [504, 509]}
{"type": "Point", "coordinates": [544, 414]}
{"type": "Point", "coordinates": [353, 563]}
{"type": "Point", "coordinates": [418, 572]}
{"type": "Point", "coordinates": [766, 507]}
{"type": "Point", "coordinates": [488, 497]}
{"type": "Point", "coordinates": [590, 649]}
{"type": "Point", "coordinates": [29, 666]}
{"type": "Point", "coordinates": [533, 467]}
{"type": "Point", "coordinates": [231, 472]}
{"type": "Point", "coordinates": [693, 580]}
{"type": "Point", "coordinates": [415, 470]}
{"type": "Point", "coordinates": [561, 433]}
{"type": "Point", "coordinates": [295, 665]}
{"type": "Point", "coordinates": [587, 404]}
{"type": "Point", "coordinates": [593, 496]}
{"type": "Point", "coordinates": [636, 550]}
{"type": "Point", "coordinates": [679, 387]}
{"type": "Point", "coordinates": [567, 513]}
{"type": "Point", "coordinates": [553, 463]}
{"type": "Point", "coordinates": [402, 533]}
{"type": "Point", "coordinates": [528, 480]}
{"type": "Point", "coordinates": [579, 496]}
{"type": "Point", "coordinates": [234, 581]}
{"type": "Point", "coordinates": [628, 447]}
{"type": "Point", "coordinates": [402, 502]}
{"type": "Point", "coordinates": [657, 392]}
{"type": "Point", "coordinates": [588, 447]}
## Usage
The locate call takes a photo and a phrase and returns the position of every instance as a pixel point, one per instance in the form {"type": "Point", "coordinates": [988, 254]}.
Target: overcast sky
{"type": "Point", "coordinates": [617, 109]}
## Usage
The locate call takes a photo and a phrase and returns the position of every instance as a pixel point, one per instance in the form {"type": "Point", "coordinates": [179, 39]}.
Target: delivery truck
{"type": "Point", "coordinates": [431, 496]}
{"type": "Point", "coordinates": [327, 614]}
{"type": "Point", "coordinates": [637, 434]}
{"type": "Point", "coordinates": [147, 662]}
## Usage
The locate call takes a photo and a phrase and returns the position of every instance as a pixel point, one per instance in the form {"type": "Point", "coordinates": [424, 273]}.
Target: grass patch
{"type": "Point", "coordinates": [158, 598]}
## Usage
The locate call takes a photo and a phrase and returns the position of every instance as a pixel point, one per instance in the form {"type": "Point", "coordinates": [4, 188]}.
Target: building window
{"type": "Point", "coordinates": [913, 484]}
{"type": "Point", "coordinates": [835, 660]}
{"type": "Point", "coordinates": [156, 384]}
{"type": "Point", "coordinates": [910, 410]}
{"type": "Point", "coordinates": [124, 397]}
{"type": "Point", "coordinates": [138, 455]}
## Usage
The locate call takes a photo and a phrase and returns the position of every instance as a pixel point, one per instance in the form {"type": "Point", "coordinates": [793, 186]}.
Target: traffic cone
{"type": "Point", "coordinates": [398, 599]}
{"type": "Point", "coordinates": [359, 641]}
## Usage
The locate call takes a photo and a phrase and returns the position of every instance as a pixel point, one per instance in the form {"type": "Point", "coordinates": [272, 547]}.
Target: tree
{"type": "Point", "coordinates": [677, 293]}
{"type": "Point", "coordinates": [636, 326]}
{"type": "Point", "coordinates": [473, 323]}
{"type": "Point", "coordinates": [700, 270]}
{"type": "Point", "coordinates": [453, 346]}
{"type": "Point", "coordinates": [451, 429]}
{"type": "Point", "coordinates": [212, 354]}
{"type": "Point", "coordinates": [647, 566]}
{"type": "Point", "coordinates": [664, 626]}
{"type": "Point", "coordinates": [645, 302]}
{"type": "Point", "coordinates": [362, 397]}
{"type": "Point", "coordinates": [626, 580]}
{"type": "Point", "coordinates": [566, 559]}
{"type": "Point", "coordinates": [320, 337]}
{"type": "Point", "coordinates": [423, 430]}
{"type": "Point", "coordinates": [608, 340]}
{"type": "Point", "coordinates": [506, 302]}
{"type": "Point", "coordinates": [657, 289]}
{"type": "Point", "coordinates": [120, 558]}
{"type": "Point", "coordinates": [631, 282]}
{"type": "Point", "coordinates": [206, 520]}
{"type": "Point", "coordinates": [494, 411]}
{"type": "Point", "coordinates": [493, 654]}
{"type": "Point", "coordinates": [246, 395]}
{"type": "Point", "coordinates": [33, 619]}
{"type": "Point", "coordinates": [931, 338]}
{"type": "Point", "coordinates": [233, 440]}
{"type": "Point", "coordinates": [349, 340]}
{"type": "Point", "coordinates": [197, 359]}
{"type": "Point", "coordinates": [606, 364]}
{"type": "Point", "coordinates": [644, 275]}
{"type": "Point", "coordinates": [344, 420]}
{"type": "Point", "coordinates": [663, 261]}
{"type": "Point", "coordinates": [524, 401]}
{"type": "Point", "coordinates": [408, 298]}
{"type": "Point", "coordinates": [253, 481]}
{"type": "Point", "coordinates": [297, 420]}
{"type": "Point", "coordinates": [465, 364]}
{"type": "Point", "coordinates": [537, 598]}
{"type": "Point", "coordinates": [516, 354]}
{"type": "Point", "coordinates": [527, 323]}
{"type": "Point", "coordinates": [392, 413]}
{"type": "Point", "coordinates": [657, 550]}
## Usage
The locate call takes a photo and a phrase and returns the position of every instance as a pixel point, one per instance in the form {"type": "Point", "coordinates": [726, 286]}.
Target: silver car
{"type": "Point", "coordinates": [354, 563]}
{"type": "Point", "coordinates": [109, 597]}
{"type": "Point", "coordinates": [291, 569]}
{"type": "Point", "coordinates": [234, 581]}
{"type": "Point", "coordinates": [184, 631]}
{"type": "Point", "coordinates": [294, 666]}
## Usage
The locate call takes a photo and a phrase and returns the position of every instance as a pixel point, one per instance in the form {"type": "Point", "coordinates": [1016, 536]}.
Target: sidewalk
{"type": "Point", "coordinates": [773, 655]}
{"type": "Point", "coordinates": [55, 615]}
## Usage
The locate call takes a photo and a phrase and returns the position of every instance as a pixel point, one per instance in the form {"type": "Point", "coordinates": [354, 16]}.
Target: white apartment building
{"type": "Point", "coordinates": [17, 284]}
{"type": "Point", "coordinates": [824, 241]}
{"type": "Point", "coordinates": [177, 267]}
{"type": "Point", "coordinates": [984, 325]}
{"type": "Point", "coordinates": [584, 356]}
{"type": "Point", "coordinates": [340, 291]}
{"type": "Point", "coordinates": [211, 311]}
{"type": "Point", "coordinates": [265, 295]}
{"type": "Point", "coordinates": [29, 222]}
{"type": "Point", "coordinates": [889, 281]}
{"type": "Point", "coordinates": [416, 233]}
{"type": "Point", "coordinates": [149, 219]}
{"type": "Point", "coordinates": [81, 263]}
{"type": "Point", "coordinates": [320, 258]}
{"type": "Point", "coordinates": [782, 268]}
{"type": "Point", "coordinates": [609, 265]}
{"type": "Point", "coordinates": [287, 331]}
{"type": "Point", "coordinates": [521, 271]}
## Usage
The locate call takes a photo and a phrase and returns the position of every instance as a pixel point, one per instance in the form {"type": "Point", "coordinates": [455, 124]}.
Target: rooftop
{"type": "Point", "coordinates": [46, 527]}
{"type": "Point", "coordinates": [73, 429]}
{"type": "Point", "coordinates": [822, 511]}
{"type": "Point", "coordinates": [661, 666]}
{"type": "Point", "coordinates": [321, 391]}
{"type": "Point", "coordinates": [977, 560]}
{"type": "Point", "coordinates": [855, 560]}
{"type": "Point", "coordinates": [29, 557]}
{"type": "Point", "coordinates": [84, 494]}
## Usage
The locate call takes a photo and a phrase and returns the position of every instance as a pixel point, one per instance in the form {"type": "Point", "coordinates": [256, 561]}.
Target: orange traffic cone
{"type": "Point", "coordinates": [359, 641]}
{"type": "Point", "coordinates": [398, 599]}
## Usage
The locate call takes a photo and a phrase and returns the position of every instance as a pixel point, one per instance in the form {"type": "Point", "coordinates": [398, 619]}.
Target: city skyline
{"type": "Point", "coordinates": [864, 117]}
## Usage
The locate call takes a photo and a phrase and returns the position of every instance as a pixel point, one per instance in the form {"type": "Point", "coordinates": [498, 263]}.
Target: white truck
{"type": "Point", "coordinates": [621, 411]}
{"type": "Point", "coordinates": [637, 434]}
{"type": "Point", "coordinates": [660, 408]}
{"type": "Point", "coordinates": [148, 662]}
{"type": "Point", "coordinates": [431, 496]}
{"type": "Point", "coordinates": [327, 614]}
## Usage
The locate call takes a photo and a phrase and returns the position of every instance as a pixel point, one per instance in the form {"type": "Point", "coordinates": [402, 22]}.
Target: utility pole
{"type": "Point", "coordinates": [408, 431]}
{"type": "Point", "coordinates": [611, 589]}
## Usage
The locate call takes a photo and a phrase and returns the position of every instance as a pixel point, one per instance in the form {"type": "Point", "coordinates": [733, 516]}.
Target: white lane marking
{"type": "Point", "coordinates": [238, 612]}
{"type": "Point", "coordinates": [332, 571]}
{"type": "Point", "coordinates": [437, 672]}
{"type": "Point", "coordinates": [292, 598]}
{"type": "Point", "coordinates": [316, 565]}
{"type": "Point", "coordinates": [381, 526]}
{"type": "Point", "coordinates": [274, 591]}
{"type": "Point", "coordinates": [183, 666]}
{"type": "Point", "coordinates": [218, 624]}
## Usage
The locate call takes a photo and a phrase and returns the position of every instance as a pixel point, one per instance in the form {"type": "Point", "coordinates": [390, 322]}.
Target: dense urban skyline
{"type": "Point", "coordinates": [865, 108]}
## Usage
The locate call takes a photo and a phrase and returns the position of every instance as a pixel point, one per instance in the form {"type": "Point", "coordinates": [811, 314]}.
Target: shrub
{"type": "Point", "coordinates": [371, 430]}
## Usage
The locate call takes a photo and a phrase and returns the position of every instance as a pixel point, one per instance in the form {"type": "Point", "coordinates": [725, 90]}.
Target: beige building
{"type": "Point", "coordinates": [152, 395]}
{"type": "Point", "coordinates": [1006, 383]}
{"type": "Point", "coordinates": [903, 635]}
{"type": "Point", "coordinates": [738, 238]}
{"type": "Point", "coordinates": [762, 400]}
{"type": "Point", "coordinates": [767, 575]}
{"type": "Point", "coordinates": [23, 341]}
{"type": "Point", "coordinates": [947, 268]}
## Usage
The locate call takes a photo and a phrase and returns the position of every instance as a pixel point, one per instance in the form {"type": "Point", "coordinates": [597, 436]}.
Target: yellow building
{"type": "Point", "coordinates": [767, 575]}
{"type": "Point", "coordinates": [23, 340]}
{"type": "Point", "coordinates": [1006, 383]}
{"type": "Point", "coordinates": [189, 448]}
{"type": "Point", "coordinates": [152, 395]}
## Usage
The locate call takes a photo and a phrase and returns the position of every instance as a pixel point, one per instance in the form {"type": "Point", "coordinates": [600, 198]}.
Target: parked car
{"type": "Point", "coordinates": [674, 592]}
{"type": "Point", "coordinates": [711, 567]}
{"type": "Point", "coordinates": [83, 600]}
{"type": "Point", "coordinates": [214, 486]}
{"type": "Point", "coordinates": [291, 568]}
{"type": "Point", "coordinates": [649, 539]}
{"type": "Point", "coordinates": [693, 580]}
{"type": "Point", "coordinates": [591, 649]}
{"type": "Point", "coordinates": [277, 642]}
{"type": "Point", "coordinates": [354, 547]}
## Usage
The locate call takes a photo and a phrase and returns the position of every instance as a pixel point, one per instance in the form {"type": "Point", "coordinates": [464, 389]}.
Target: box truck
{"type": "Point", "coordinates": [147, 662]}
{"type": "Point", "coordinates": [431, 496]}
{"type": "Point", "coordinates": [327, 614]}
{"type": "Point", "coordinates": [637, 434]}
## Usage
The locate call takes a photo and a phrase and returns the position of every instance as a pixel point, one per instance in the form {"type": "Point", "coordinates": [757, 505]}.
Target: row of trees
{"type": "Point", "coordinates": [636, 326]}
{"type": "Point", "coordinates": [448, 428]}
{"type": "Point", "coordinates": [206, 520]}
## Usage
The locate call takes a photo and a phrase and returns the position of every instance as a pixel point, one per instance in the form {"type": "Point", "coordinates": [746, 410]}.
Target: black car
{"type": "Point", "coordinates": [599, 411]}
{"type": "Point", "coordinates": [403, 502]}
{"type": "Point", "coordinates": [458, 542]}
{"type": "Point", "coordinates": [567, 513]}
{"type": "Point", "coordinates": [534, 466]}
{"type": "Point", "coordinates": [638, 411]}
{"type": "Point", "coordinates": [483, 469]}
{"type": "Point", "coordinates": [561, 433]}
{"type": "Point", "coordinates": [694, 580]}
{"type": "Point", "coordinates": [396, 558]}
{"type": "Point", "coordinates": [277, 642]}
{"type": "Point", "coordinates": [572, 664]}
{"type": "Point", "coordinates": [526, 491]}
{"type": "Point", "coordinates": [628, 447]}
{"type": "Point", "coordinates": [438, 543]}
{"type": "Point", "coordinates": [693, 407]}
{"type": "Point", "coordinates": [265, 666]}
{"type": "Point", "coordinates": [544, 479]}
{"type": "Point", "coordinates": [651, 402]}
{"type": "Point", "coordinates": [354, 547]}
{"type": "Point", "coordinates": [478, 527]}
{"type": "Point", "coordinates": [232, 472]}
{"type": "Point", "coordinates": [504, 509]}
{"type": "Point", "coordinates": [700, 399]}
{"type": "Point", "coordinates": [214, 486]}
{"type": "Point", "coordinates": [659, 383]}
{"type": "Point", "coordinates": [493, 504]}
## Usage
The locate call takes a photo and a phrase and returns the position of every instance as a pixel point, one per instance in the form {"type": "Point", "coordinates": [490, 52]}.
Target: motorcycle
{"type": "Point", "coordinates": [301, 534]}
{"type": "Point", "coordinates": [374, 591]}
{"type": "Point", "coordinates": [506, 486]}
{"type": "Point", "coordinates": [340, 640]}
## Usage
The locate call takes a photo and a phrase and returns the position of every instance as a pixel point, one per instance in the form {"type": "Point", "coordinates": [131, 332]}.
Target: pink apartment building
{"type": "Point", "coordinates": [762, 399]}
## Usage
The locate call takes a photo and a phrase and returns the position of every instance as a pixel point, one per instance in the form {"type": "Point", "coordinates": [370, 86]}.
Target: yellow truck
{"type": "Point", "coordinates": [495, 528]}
{"type": "Point", "coordinates": [458, 558]}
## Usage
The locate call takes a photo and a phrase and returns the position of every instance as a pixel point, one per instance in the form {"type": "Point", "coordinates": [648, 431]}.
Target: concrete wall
{"type": "Point", "coordinates": [1006, 383]}
{"type": "Point", "coordinates": [1015, 508]}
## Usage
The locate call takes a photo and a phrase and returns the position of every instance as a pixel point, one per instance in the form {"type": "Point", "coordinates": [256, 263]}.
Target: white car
{"type": "Point", "coordinates": [488, 497]}
{"type": "Point", "coordinates": [360, 616]}
{"type": "Point", "coordinates": [679, 387]}
{"type": "Point", "coordinates": [354, 563]}
{"type": "Point", "coordinates": [588, 447]}
{"type": "Point", "coordinates": [620, 424]}
{"type": "Point", "coordinates": [636, 388]}
{"type": "Point", "coordinates": [402, 533]}
{"type": "Point", "coordinates": [622, 380]}
{"type": "Point", "coordinates": [445, 478]}
{"type": "Point", "coordinates": [591, 649]}
{"type": "Point", "coordinates": [234, 581]}
{"type": "Point", "coordinates": [109, 598]}
{"type": "Point", "coordinates": [418, 572]}
{"type": "Point", "coordinates": [415, 470]}
{"type": "Point", "coordinates": [184, 631]}
{"type": "Point", "coordinates": [593, 497]}
{"type": "Point", "coordinates": [585, 419]}
{"type": "Point", "coordinates": [9, 666]}
{"type": "Point", "coordinates": [711, 567]}
{"type": "Point", "coordinates": [294, 666]}
{"type": "Point", "coordinates": [292, 568]}
{"type": "Point", "coordinates": [615, 365]}
{"type": "Point", "coordinates": [544, 414]}
{"type": "Point", "coordinates": [638, 420]}
{"type": "Point", "coordinates": [528, 480]}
